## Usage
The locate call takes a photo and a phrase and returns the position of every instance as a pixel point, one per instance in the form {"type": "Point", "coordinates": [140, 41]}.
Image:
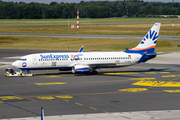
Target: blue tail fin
{"type": "Point", "coordinates": [81, 49]}
{"type": "Point", "coordinates": [42, 113]}
{"type": "Point", "coordinates": [148, 43]}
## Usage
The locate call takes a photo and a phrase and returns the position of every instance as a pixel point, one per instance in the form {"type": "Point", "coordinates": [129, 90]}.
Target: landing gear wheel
{"type": "Point", "coordinates": [94, 72]}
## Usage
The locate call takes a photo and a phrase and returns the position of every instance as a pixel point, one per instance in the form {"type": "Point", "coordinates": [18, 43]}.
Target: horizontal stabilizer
{"type": "Point", "coordinates": [146, 56]}
{"type": "Point", "coordinates": [157, 53]}
{"type": "Point", "coordinates": [150, 54]}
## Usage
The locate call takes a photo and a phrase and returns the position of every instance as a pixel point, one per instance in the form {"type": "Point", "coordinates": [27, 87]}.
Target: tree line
{"type": "Point", "coordinates": [91, 9]}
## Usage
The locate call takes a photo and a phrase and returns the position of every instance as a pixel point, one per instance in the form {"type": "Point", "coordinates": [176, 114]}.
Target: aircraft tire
{"type": "Point", "coordinates": [94, 72]}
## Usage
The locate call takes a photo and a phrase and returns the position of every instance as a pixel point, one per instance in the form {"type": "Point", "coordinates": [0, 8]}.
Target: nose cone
{"type": "Point", "coordinates": [15, 64]}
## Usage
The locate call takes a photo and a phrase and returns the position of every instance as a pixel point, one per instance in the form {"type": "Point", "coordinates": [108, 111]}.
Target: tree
{"type": "Point", "coordinates": [53, 3]}
{"type": "Point", "coordinates": [92, 9]}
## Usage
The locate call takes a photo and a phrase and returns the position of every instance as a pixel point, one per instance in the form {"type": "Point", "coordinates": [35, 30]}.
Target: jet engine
{"type": "Point", "coordinates": [81, 69]}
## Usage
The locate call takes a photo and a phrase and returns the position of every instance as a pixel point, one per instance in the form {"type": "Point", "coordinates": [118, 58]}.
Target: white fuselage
{"type": "Point", "coordinates": [68, 60]}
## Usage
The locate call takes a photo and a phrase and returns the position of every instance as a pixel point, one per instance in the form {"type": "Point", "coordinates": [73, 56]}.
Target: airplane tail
{"type": "Point", "coordinates": [42, 113]}
{"type": "Point", "coordinates": [148, 43]}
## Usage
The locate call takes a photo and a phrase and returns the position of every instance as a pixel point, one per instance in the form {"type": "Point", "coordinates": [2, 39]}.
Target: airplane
{"type": "Point", "coordinates": [88, 62]}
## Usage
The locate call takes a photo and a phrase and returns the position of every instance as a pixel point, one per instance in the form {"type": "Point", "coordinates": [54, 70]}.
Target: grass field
{"type": "Point", "coordinates": [116, 29]}
{"type": "Point", "coordinates": [48, 43]}
{"type": "Point", "coordinates": [129, 29]}
{"type": "Point", "coordinates": [85, 20]}
{"type": "Point", "coordinates": [90, 44]}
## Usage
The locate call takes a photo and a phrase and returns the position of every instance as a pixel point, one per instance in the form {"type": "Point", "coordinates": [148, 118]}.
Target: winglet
{"type": "Point", "coordinates": [81, 49]}
{"type": "Point", "coordinates": [42, 113]}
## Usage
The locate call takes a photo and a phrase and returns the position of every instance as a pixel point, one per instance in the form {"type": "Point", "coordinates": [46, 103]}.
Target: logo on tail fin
{"type": "Point", "coordinates": [148, 43]}
{"type": "Point", "coordinates": [150, 35]}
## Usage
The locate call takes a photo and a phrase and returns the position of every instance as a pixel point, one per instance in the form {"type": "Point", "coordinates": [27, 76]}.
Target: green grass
{"type": "Point", "coordinates": [7, 40]}
{"type": "Point", "coordinates": [163, 44]}
{"type": "Point", "coordinates": [53, 43]}
{"type": "Point", "coordinates": [85, 20]}
{"type": "Point", "coordinates": [48, 43]}
{"type": "Point", "coordinates": [129, 29]}
{"type": "Point", "coordinates": [117, 29]}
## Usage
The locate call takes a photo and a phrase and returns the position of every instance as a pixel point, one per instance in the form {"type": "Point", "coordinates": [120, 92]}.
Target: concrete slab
{"type": "Point", "coordinates": [139, 115]}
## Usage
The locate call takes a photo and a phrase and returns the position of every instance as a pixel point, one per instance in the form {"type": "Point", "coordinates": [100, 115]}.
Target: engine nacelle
{"type": "Point", "coordinates": [81, 69]}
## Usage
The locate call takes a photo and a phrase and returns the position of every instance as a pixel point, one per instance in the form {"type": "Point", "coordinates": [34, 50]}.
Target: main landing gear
{"type": "Point", "coordinates": [94, 72]}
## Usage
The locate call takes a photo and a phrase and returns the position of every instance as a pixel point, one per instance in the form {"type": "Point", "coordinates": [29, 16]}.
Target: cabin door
{"type": "Point", "coordinates": [34, 58]}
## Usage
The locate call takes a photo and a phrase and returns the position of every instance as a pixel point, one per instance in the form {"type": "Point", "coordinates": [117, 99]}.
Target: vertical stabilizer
{"type": "Point", "coordinates": [81, 49]}
{"type": "Point", "coordinates": [148, 43]}
{"type": "Point", "coordinates": [42, 113]}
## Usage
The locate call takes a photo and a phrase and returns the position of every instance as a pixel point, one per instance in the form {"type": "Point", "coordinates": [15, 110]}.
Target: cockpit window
{"type": "Point", "coordinates": [21, 59]}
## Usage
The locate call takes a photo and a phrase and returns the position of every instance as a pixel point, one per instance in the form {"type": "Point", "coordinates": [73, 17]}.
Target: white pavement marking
{"type": "Point", "coordinates": [139, 115]}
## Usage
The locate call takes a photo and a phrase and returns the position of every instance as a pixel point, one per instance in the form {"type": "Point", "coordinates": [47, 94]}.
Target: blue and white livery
{"type": "Point", "coordinates": [83, 62]}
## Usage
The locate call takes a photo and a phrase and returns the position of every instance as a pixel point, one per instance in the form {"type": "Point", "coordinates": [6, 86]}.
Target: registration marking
{"type": "Point", "coordinates": [51, 83]}
{"type": "Point", "coordinates": [158, 83]}
{"type": "Point", "coordinates": [172, 91]}
{"type": "Point", "coordinates": [133, 89]}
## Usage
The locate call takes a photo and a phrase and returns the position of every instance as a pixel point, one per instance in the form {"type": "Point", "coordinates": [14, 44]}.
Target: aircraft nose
{"type": "Point", "coordinates": [15, 64]}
